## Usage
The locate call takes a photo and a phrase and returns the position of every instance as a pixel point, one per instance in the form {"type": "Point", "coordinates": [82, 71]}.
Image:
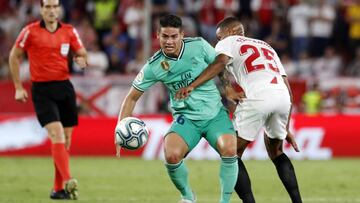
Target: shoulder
{"type": "Point", "coordinates": [33, 25]}
{"type": "Point", "coordinates": [66, 26]}
{"type": "Point", "coordinates": [263, 43]}
{"type": "Point", "coordinates": [234, 38]}
{"type": "Point", "coordinates": [196, 43]}
{"type": "Point", "coordinates": [154, 57]}
{"type": "Point", "coordinates": [253, 41]}
{"type": "Point", "coordinates": [229, 41]}
{"type": "Point", "coordinates": [192, 39]}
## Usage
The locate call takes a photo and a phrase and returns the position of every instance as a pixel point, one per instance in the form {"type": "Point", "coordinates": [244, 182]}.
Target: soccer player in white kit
{"type": "Point", "coordinates": [258, 70]}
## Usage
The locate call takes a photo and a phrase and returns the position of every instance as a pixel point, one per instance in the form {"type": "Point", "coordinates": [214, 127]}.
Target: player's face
{"type": "Point", "coordinates": [50, 10]}
{"type": "Point", "coordinates": [171, 40]}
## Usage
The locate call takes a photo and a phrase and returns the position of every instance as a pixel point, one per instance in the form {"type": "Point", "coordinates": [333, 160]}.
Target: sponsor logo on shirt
{"type": "Point", "coordinates": [185, 81]}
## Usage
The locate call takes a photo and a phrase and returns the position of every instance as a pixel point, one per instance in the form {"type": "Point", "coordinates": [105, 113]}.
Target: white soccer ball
{"type": "Point", "coordinates": [131, 133]}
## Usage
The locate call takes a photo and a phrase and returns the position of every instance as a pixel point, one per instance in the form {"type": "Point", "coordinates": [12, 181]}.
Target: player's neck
{"type": "Point", "coordinates": [51, 26]}
{"type": "Point", "coordinates": [177, 53]}
{"type": "Point", "coordinates": [173, 55]}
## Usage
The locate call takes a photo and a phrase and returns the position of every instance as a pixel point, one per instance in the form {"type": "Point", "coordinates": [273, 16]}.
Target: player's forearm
{"type": "Point", "coordinates": [14, 65]}
{"type": "Point", "coordinates": [126, 109]}
{"type": "Point", "coordinates": [291, 100]}
{"type": "Point", "coordinates": [82, 53]}
{"type": "Point", "coordinates": [288, 87]}
{"type": "Point", "coordinates": [210, 72]}
{"type": "Point", "coordinates": [288, 122]}
{"type": "Point", "coordinates": [129, 103]}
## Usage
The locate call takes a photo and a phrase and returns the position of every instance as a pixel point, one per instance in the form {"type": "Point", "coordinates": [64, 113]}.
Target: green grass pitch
{"type": "Point", "coordinates": [107, 180]}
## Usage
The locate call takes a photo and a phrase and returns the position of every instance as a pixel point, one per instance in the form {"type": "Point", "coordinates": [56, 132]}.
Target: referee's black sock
{"type": "Point", "coordinates": [243, 184]}
{"type": "Point", "coordinates": [286, 172]}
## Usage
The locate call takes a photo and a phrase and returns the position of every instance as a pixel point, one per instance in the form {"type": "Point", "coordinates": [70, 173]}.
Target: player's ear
{"type": "Point", "coordinates": [182, 33]}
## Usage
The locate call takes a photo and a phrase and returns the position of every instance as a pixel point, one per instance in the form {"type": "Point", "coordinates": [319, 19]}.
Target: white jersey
{"type": "Point", "coordinates": [254, 64]}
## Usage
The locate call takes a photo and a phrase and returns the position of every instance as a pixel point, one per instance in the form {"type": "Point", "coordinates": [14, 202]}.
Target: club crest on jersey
{"type": "Point", "coordinates": [64, 50]}
{"type": "Point", "coordinates": [165, 65]}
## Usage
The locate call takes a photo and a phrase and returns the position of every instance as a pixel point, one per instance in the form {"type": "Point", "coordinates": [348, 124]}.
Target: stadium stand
{"type": "Point", "coordinates": [318, 41]}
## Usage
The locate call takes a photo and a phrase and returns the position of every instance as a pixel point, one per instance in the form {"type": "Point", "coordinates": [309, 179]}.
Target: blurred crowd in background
{"type": "Point", "coordinates": [317, 40]}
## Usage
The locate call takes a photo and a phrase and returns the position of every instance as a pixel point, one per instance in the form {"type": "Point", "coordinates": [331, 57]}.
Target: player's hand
{"type": "Point", "coordinates": [81, 61]}
{"type": "Point", "coordinates": [117, 147]}
{"type": "Point", "coordinates": [234, 96]}
{"type": "Point", "coordinates": [21, 95]}
{"type": "Point", "coordinates": [290, 139]}
{"type": "Point", "coordinates": [67, 142]}
{"type": "Point", "coordinates": [184, 92]}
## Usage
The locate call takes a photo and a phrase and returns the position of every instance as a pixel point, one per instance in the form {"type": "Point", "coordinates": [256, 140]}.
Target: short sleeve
{"type": "Point", "coordinates": [75, 41]}
{"type": "Point", "coordinates": [224, 47]}
{"type": "Point", "coordinates": [144, 79]}
{"type": "Point", "coordinates": [23, 40]}
{"type": "Point", "coordinates": [208, 51]}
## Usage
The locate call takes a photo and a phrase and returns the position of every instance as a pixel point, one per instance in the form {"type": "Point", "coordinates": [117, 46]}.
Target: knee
{"type": "Point", "coordinates": [227, 147]}
{"type": "Point", "coordinates": [174, 156]}
{"type": "Point", "coordinates": [274, 153]}
{"type": "Point", "coordinates": [228, 152]}
{"type": "Point", "coordinates": [56, 135]}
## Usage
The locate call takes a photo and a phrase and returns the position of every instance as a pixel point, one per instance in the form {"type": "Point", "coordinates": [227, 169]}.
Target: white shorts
{"type": "Point", "coordinates": [270, 109]}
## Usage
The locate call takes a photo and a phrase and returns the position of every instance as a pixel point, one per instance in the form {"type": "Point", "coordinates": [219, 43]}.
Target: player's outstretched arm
{"type": "Point", "coordinates": [290, 137]}
{"type": "Point", "coordinates": [15, 56]}
{"type": "Point", "coordinates": [210, 72]}
{"type": "Point", "coordinates": [126, 110]}
{"type": "Point", "coordinates": [291, 140]}
{"type": "Point", "coordinates": [129, 103]}
{"type": "Point", "coordinates": [286, 81]}
{"type": "Point", "coordinates": [231, 94]}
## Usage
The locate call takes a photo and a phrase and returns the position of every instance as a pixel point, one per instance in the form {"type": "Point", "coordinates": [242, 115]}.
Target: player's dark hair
{"type": "Point", "coordinates": [42, 3]}
{"type": "Point", "coordinates": [227, 22]}
{"type": "Point", "coordinates": [169, 20]}
{"type": "Point", "coordinates": [232, 23]}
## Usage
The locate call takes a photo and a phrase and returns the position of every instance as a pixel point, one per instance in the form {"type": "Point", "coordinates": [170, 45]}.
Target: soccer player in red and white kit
{"type": "Point", "coordinates": [258, 70]}
{"type": "Point", "coordinates": [47, 44]}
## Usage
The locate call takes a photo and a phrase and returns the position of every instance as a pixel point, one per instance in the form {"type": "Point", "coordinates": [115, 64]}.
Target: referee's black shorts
{"type": "Point", "coordinates": [55, 101]}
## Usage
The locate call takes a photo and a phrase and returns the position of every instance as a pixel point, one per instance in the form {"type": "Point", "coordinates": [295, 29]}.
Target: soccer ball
{"type": "Point", "coordinates": [131, 133]}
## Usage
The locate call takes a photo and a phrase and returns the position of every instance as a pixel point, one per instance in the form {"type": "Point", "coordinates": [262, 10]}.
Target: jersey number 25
{"type": "Point", "coordinates": [256, 53]}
